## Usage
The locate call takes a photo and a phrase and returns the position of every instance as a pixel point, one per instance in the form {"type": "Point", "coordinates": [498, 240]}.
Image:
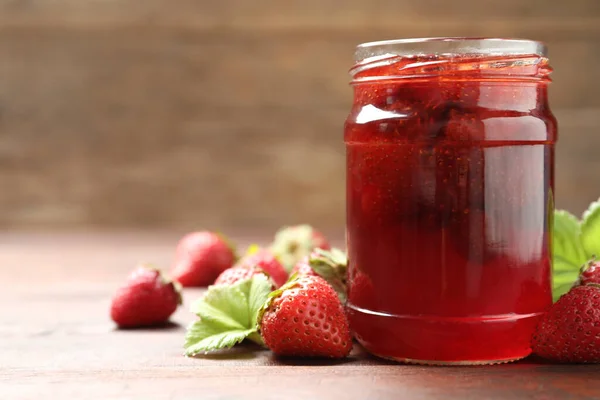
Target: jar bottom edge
{"type": "Point", "coordinates": [449, 363]}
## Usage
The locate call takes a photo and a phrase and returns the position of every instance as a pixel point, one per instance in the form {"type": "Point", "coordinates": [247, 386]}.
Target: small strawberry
{"type": "Point", "coordinates": [590, 273]}
{"type": "Point", "coordinates": [329, 265]}
{"type": "Point", "coordinates": [146, 299]}
{"type": "Point", "coordinates": [265, 260]}
{"type": "Point", "coordinates": [235, 274]}
{"type": "Point", "coordinates": [303, 267]}
{"type": "Point", "coordinates": [570, 330]}
{"type": "Point", "coordinates": [305, 318]}
{"type": "Point", "coordinates": [294, 242]}
{"type": "Point", "coordinates": [200, 257]}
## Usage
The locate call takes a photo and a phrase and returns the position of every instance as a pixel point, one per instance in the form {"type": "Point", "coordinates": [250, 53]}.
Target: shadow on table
{"type": "Point", "coordinates": [358, 355]}
{"type": "Point", "coordinates": [167, 326]}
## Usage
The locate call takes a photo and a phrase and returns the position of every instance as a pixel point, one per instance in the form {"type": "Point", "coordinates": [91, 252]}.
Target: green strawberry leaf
{"type": "Point", "coordinates": [203, 337]}
{"type": "Point", "coordinates": [563, 279]}
{"type": "Point", "coordinates": [259, 288]}
{"type": "Point", "coordinates": [228, 315]}
{"type": "Point", "coordinates": [338, 256]}
{"type": "Point", "coordinates": [334, 257]}
{"type": "Point", "coordinates": [567, 245]}
{"type": "Point", "coordinates": [568, 252]}
{"type": "Point", "coordinates": [331, 266]}
{"type": "Point", "coordinates": [590, 230]}
{"type": "Point", "coordinates": [225, 306]}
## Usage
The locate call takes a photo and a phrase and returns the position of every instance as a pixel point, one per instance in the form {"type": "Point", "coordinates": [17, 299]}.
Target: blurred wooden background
{"type": "Point", "coordinates": [229, 113]}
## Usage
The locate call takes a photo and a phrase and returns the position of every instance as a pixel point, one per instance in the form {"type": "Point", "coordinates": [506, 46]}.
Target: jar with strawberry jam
{"type": "Point", "coordinates": [450, 179]}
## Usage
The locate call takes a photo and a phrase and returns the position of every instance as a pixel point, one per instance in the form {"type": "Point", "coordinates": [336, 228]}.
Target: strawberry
{"type": "Point", "coordinates": [570, 330]}
{"type": "Point", "coordinates": [294, 242]}
{"type": "Point", "coordinates": [590, 273]}
{"type": "Point", "coordinates": [305, 318]}
{"type": "Point", "coordinates": [200, 257]}
{"type": "Point", "coordinates": [303, 267]}
{"type": "Point", "coordinates": [235, 274]}
{"type": "Point", "coordinates": [265, 260]}
{"type": "Point", "coordinates": [147, 298]}
{"type": "Point", "coordinates": [329, 265]}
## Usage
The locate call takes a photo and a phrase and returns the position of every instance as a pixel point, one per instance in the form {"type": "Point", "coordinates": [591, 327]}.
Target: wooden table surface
{"type": "Point", "coordinates": [57, 342]}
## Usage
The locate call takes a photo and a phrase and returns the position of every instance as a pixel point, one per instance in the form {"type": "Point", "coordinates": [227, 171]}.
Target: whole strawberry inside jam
{"type": "Point", "coordinates": [449, 191]}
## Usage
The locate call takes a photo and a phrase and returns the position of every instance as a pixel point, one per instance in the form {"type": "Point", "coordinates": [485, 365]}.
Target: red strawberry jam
{"type": "Point", "coordinates": [450, 175]}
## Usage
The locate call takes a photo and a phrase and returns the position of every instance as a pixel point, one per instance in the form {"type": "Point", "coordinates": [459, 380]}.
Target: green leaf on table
{"type": "Point", "coordinates": [228, 315]}
{"type": "Point", "coordinates": [203, 336]}
{"type": "Point", "coordinates": [590, 230]}
{"type": "Point", "coordinates": [225, 306]}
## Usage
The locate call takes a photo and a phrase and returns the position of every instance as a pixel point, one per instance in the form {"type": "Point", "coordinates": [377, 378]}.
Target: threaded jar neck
{"type": "Point", "coordinates": [452, 58]}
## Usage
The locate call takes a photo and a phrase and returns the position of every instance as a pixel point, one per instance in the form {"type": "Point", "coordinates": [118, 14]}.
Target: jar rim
{"type": "Point", "coordinates": [449, 46]}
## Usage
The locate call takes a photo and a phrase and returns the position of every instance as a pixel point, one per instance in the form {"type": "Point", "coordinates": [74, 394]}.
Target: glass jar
{"type": "Point", "coordinates": [450, 179]}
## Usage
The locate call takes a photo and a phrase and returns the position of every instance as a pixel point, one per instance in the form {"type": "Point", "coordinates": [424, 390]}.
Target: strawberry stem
{"type": "Point", "coordinates": [588, 264]}
{"type": "Point", "coordinates": [593, 285]}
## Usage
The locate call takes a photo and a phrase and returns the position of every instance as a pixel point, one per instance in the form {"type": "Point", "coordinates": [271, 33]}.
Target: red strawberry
{"type": "Point", "coordinates": [235, 274]}
{"type": "Point", "coordinates": [265, 260]}
{"type": "Point", "coordinates": [200, 257]}
{"type": "Point", "coordinates": [590, 273]}
{"type": "Point", "coordinates": [294, 242]}
{"type": "Point", "coordinates": [303, 267]}
{"type": "Point", "coordinates": [329, 265]}
{"type": "Point", "coordinates": [146, 299]}
{"type": "Point", "coordinates": [306, 318]}
{"type": "Point", "coordinates": [570, 330]}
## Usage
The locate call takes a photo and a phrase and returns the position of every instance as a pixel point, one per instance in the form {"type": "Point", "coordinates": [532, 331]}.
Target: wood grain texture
{"type": "Point", "coordinates": [225, 114]}
{"type": "Point", "coordinates": [56, 341]}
